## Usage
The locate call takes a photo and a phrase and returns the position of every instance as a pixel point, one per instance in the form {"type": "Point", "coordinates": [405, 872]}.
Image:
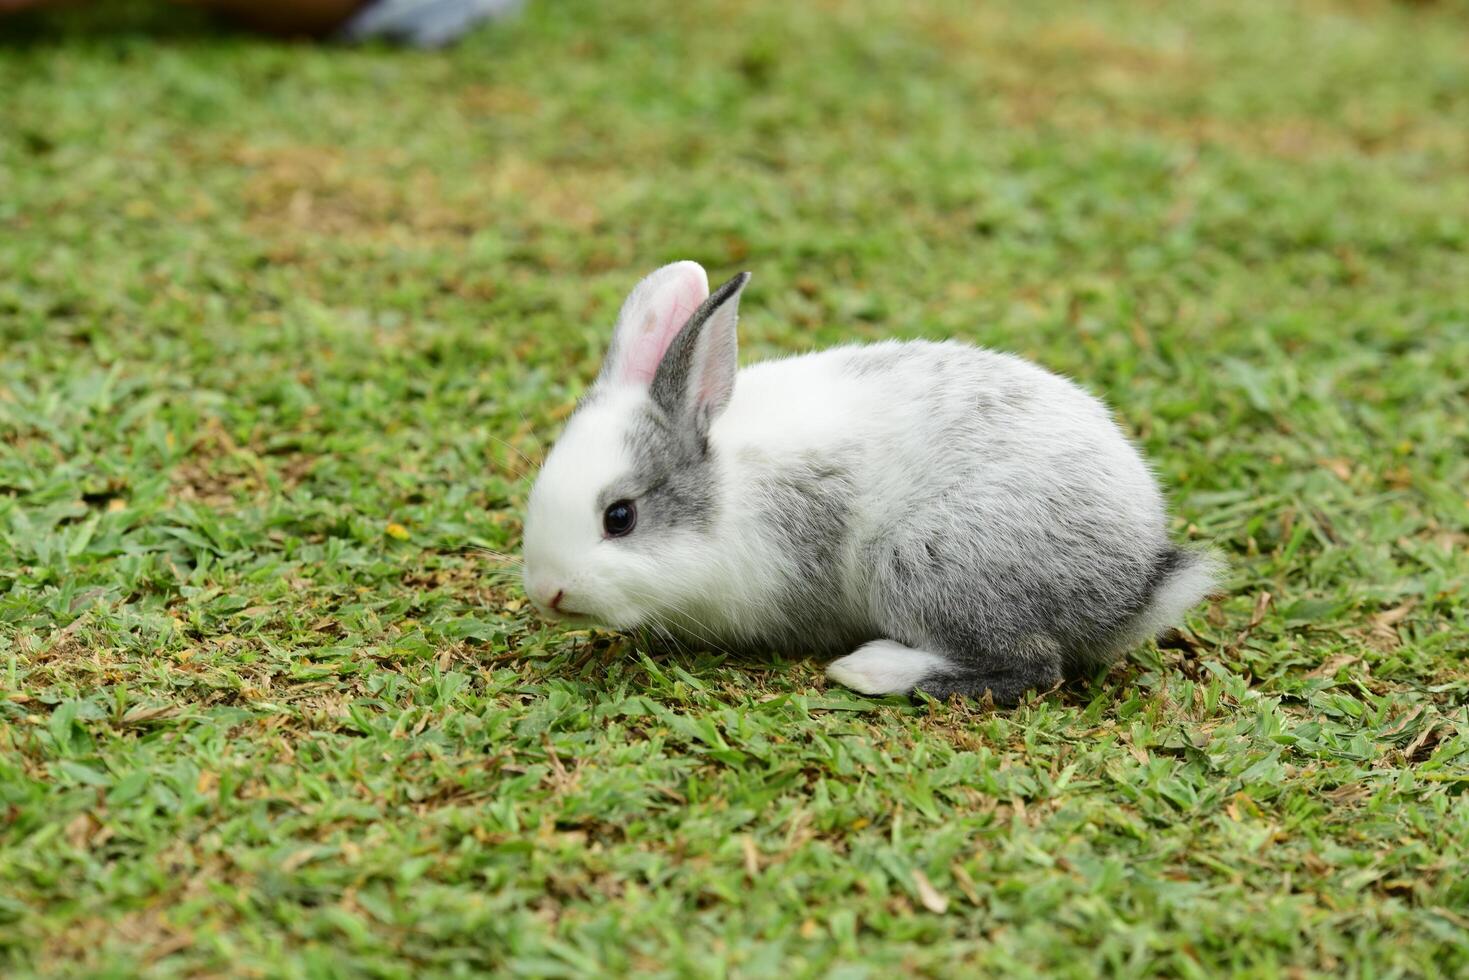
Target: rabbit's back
{"type": "Point", "coordinates": [932, 474]}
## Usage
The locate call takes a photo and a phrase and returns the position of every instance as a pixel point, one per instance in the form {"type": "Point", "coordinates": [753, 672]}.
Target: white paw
{"type": "Point", "coordinates": [884, 667]}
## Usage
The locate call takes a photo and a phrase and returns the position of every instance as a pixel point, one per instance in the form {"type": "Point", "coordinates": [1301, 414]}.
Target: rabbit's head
{"type": "Point", "coordinates": [621, 519]}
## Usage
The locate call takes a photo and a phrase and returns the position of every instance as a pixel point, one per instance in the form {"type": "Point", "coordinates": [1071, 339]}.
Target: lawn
{"type": "Point", "coordinates": [285, 328]}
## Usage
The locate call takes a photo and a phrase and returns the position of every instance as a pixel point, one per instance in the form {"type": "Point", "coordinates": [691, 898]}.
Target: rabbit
{"type": "Point", "coordinates": [948, 518]}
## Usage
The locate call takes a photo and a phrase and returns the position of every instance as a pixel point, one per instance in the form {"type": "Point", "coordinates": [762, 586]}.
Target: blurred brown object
{"type": "Point", "coordinates": [312, 18]}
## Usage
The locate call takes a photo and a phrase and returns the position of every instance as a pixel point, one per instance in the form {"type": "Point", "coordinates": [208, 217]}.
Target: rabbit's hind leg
{"type": "Point", "coordinates": [1034, 664]}
{"type": "Point", "coordinates": [889, 667]}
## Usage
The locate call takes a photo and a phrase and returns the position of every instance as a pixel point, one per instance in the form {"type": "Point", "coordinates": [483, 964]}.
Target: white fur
{"type": "Point", "coordinates": [563, 526]}
{"type": "Point", "coordinates": [884, 667]}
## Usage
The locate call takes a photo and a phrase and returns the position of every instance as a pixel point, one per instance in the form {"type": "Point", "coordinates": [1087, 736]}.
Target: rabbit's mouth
{"type": "Point", "coordinates": [562, 613]}
{"type": "Point", "coordinates": [558, 615]}
{"type": "Point", "coordinates": [555, 606]}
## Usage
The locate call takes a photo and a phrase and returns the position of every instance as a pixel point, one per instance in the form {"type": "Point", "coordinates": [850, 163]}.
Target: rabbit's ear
{"type": "Point", "coordinates": [696, 377]}
{"type": "Point", "coordinates": [651, 317]}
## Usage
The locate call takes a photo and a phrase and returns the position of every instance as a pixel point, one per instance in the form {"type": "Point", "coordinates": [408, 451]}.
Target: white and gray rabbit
{"type": "Point", "coordinates": [952, 519]}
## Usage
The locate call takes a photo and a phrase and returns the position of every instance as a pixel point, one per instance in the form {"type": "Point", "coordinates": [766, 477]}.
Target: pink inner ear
{"type": "Point", "coordinates": [658, 320]}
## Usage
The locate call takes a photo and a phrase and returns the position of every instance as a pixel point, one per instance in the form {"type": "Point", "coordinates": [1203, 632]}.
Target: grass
{"type": "Point", "coordinates": [283, 325]}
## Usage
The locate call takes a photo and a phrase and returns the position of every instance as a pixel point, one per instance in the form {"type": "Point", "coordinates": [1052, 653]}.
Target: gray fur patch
{"type": "Point", "coordinates": [806, 510]}
{"type": "Point", "coordinates": [673, 486]}
{"type": "Point", "coordinates": [670, 388]}
{"type": "Point", "coordinates": [1011, 610]}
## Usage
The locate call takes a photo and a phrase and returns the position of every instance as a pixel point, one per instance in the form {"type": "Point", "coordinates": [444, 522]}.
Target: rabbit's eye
{"type": "Point", "coordinates": [620, 518]}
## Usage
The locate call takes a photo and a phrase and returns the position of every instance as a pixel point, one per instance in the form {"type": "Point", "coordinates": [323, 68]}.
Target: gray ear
{"type": "Point", "coordinates": [696, 376]}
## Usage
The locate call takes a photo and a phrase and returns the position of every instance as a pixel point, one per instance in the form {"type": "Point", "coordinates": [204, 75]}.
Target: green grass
{"type": "Point", "coordinates": [282, 323]}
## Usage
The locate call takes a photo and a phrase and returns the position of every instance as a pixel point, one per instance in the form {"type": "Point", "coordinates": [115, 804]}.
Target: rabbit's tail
{"type": "Point", "coordinates": [1181, 579]}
